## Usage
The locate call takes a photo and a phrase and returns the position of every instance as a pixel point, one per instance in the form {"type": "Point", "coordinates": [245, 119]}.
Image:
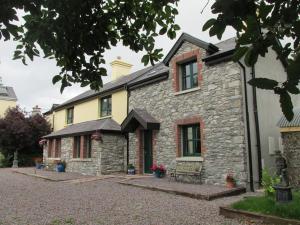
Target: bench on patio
{"type": "Point", "coordinates": [186, 169]}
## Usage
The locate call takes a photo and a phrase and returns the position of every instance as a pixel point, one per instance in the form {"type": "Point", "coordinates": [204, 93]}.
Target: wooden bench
{"type": "Point", "coordinates": [187, 169]}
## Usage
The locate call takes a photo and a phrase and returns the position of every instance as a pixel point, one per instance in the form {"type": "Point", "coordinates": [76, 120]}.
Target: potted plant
{"type": "Point", "coordinates": [39, 163]}
{"type": "Point", "coordinates": [158, 171]}
{"type": "Point", "coordinates": [230, 181]}
{"type": "Point", "coordinates": [131, 169]}
{"type": "Point", "coordinates": [61, 166]}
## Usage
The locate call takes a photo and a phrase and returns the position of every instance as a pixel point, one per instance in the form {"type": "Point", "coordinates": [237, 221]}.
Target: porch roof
{"type": "Point", "coordinates": [138, 117]}
{"type": "Point", "coordinates": [283, 122]}
{"type": "Point", "coordinates": [86, 127]}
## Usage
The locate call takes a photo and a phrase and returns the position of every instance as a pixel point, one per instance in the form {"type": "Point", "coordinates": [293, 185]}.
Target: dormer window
{"type": "Point", "coordinates": [189, 75]}
{"type": "Point", "coordinates": [105, 106]}
{"type": "Point", "coordinates": [70, 115]}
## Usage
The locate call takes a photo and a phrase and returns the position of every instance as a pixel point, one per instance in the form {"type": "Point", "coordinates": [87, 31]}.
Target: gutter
{"type": "Point", "coordinates": [248, 129]}
{"type": "Point", "coordinates": [257, 130]}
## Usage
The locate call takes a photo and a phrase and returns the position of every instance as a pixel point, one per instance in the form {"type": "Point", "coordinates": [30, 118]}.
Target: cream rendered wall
{"type": "Point", "coordinates": [119, 106]}
{"type": "Point", "coordinates": [50, 118]}
{"type": "Point", "coordinates": [86, 111]}
{"type": "Point", "coordinates": [4, 105]}
{"type": "Point", "coordinates": [59, 119]}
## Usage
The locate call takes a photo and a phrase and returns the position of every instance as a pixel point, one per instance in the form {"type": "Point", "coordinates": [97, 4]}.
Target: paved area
{"type": "Point", "coordinates": [193, 190]}
{"type": "Point", "coordinates": [27, 200]}
{"type": "Point", "coordinates": [51, 175]}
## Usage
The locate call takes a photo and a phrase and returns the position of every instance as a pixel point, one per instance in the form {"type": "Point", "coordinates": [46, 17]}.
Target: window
{"type": "Point", "coordinates": [191, 144]}
{"type": "Point", "coordinates": [76, 147]}
{"type": "Point", "coordinates": [50, 148]}
{"type": "Point", "coordinates": [189, 73]}
{"type": "Point", "coordinates": [86, 152]}
{"type": "Point", "coordinates": [87, 146]}
{"type": "Point", "coordinates": [70, 115]}
{"type": "Point", "coordinates": [105, 106]}
{"type": "Point", "coordinates": [57, 151]}
{"type": "Point", "coordinates": [54, 148]}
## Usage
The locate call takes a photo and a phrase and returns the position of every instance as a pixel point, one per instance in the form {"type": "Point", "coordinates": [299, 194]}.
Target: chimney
{"type": "Point", "coordinates": [36, 110]}
{"type": "Point", "coordinates": [119, 68]}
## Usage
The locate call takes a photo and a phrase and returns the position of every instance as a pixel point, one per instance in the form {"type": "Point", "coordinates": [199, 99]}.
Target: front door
{"type": "Point", "coordinates": [148, 158]}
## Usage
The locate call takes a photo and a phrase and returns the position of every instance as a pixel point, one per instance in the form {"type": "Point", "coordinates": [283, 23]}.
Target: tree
{"type": "Point", "coordinates": [22, 134]}
{"type": "Point", "coordinates": [260, 25]}
{"type": "Point", "coordinates": [76, 33]}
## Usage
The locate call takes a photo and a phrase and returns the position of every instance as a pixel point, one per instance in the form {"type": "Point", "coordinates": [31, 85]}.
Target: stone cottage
{"type": "Point", "coordinates": [202, 111]}
{"type": "Point", "coordinates": [194, 108]}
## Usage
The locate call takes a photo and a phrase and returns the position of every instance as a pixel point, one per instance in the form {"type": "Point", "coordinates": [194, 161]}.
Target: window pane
{"type": "Point", "coordinates": [190, 133]}
{"type": "Point", "coordinates": [191, 140]}
{"type": "Point", "coordinates": [105, 106]}
{"type": "Point", "coordinates": [188, 82]}
{"type": "Point", "coordinates": [195, 68]}
{"type": "Point", "coordinates": [187, 70]}
{"type": "Point", "coordinates": [195, 81]}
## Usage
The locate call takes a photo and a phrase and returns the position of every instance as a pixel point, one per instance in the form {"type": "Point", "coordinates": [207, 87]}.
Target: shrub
{"type": "Point", "coordinates": [268, 182]}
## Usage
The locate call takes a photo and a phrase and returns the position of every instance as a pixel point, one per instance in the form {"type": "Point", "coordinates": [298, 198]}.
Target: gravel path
{"type": "Point", "coordinates": [26, 200]}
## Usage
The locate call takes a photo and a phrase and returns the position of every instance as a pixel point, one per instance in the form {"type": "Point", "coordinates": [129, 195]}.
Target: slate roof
{"type": "Point", "coordinates": [119, 83]}
{"type": "Point", "coordinates": [283, 122]}
{"type": "Point", "coordinates": [211, 48]}
{"type": "Point", "coordinates": [226, 47]}
{"type": "Point", "coordinates": [141, 117]}
{"type": "Point", "coordinates": [85, 127]}
{"type": "Point", "coordinates": [7, 93]}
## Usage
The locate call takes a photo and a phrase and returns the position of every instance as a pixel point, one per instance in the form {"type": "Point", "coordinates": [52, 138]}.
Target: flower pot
{"type": "Point", "coordinates": [230, 184]}
{"type": "Point", "coordinates": [158, 174]}
{"type": "Point", "coordinates": [131, 171]}
{"type": "Point", "coordinates": [60, 168]}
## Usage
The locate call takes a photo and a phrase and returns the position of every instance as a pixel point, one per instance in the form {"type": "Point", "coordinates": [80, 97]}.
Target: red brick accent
{"type": "Point", "coordinates": [49, 148]}
{"type": "Point", "coordinates": [139, 152]}
{"type": "Point", "coordinates": [185, 57]}
{"type": "Point", "coordinates": [57, 150]}
{"type": "Point", "coordinates": [154, 146]}
{"type": "Point", "coordinates": [82, 147]}
{"type": "Point", "coordinates": [187, 121]}
{"type": "Point", "coordinates": [53, 150]}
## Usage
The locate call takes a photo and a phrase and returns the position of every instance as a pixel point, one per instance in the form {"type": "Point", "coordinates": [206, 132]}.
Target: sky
{"type": "Point", "coordinates": [33, 83]}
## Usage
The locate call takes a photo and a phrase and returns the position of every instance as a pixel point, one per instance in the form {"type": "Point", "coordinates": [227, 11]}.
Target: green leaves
{"type": "Point", "coordinates": [78, 34]}
{"type": "Point", "coordinates": [209, 24]}
{"type": "Point", "coordinates": [263, 83]}
{"type": "Point", "coordinates": [286, 105]}
{"type": "Point", "coordinates": [239, 53]}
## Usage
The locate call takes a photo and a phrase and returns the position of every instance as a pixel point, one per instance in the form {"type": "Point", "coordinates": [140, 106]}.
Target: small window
{"type": "Point", "coordinates": [88, 146]}
{"type": "Point", "coordinates": [70, 115]}
{"type": "Point", "coordinates": [191, 143]}
{"type": "Point", "coordinates": [50, 148]}
{"type": "Point", "coordinates": [76, 150]}
{"type": "Point", "coordinates": [189, 75]}
{"type": "Point", "coordinates": [105, 106]}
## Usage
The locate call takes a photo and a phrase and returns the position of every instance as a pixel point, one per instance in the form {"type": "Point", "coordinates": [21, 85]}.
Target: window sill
{"type": "Point", "coordinates": [104, 117]}
{"type": "Point", "coordinates": [81, 160]}
{"type": "Point", "coordinates": [53, 159]}
{"type": "Point", "coordinates": [190, 159]}
{"type": "Point", "coordinates": [187, 91]}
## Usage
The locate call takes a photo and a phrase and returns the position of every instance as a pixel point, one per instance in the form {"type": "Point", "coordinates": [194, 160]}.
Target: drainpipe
{"type": "Point", "coordinates": [257, 129]}
{"type": "Point", "coordinates": [127, 135]}
{"type": "Point", "coordinates": [248, 129]}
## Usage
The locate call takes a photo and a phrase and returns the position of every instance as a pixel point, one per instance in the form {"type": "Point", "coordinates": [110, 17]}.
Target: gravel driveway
{"type": "Point", "coordinates": [26, 200]}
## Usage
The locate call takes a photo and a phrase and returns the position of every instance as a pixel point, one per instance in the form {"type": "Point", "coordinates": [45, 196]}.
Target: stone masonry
{"type": "Point", "coordinates": [218, 102]}
{"type": "Point", "coordinates": [291, 143]}
{"type": "Point", "coordinates": [107, 156]}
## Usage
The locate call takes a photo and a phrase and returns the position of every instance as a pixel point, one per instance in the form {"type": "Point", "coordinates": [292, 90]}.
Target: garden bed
{"type": "Point", "coordinates": [265, 209]}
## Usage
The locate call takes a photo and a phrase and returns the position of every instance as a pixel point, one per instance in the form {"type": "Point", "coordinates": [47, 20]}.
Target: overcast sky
{"type": "Point", "coordinates": [32, 83]}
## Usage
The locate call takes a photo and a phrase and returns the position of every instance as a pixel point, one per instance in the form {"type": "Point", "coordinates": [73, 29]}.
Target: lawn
{"type": "Point", "coordinates": [267, 205]}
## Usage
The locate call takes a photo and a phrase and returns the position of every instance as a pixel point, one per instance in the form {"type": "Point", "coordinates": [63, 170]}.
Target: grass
{"type": "Point", "coordinates": [268, 205]}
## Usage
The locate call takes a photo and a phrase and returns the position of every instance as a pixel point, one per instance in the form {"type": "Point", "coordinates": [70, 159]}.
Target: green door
{"type": "Point", "coordinates": [148, 158]}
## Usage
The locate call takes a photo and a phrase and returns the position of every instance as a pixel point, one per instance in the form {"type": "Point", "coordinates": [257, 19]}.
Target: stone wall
{"type": "Point", "coordinates": [218, 101]}
{"type": "Point", "coordinates": [291, 150]}
{"type": "Point", "coordinates": [107, 156]}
